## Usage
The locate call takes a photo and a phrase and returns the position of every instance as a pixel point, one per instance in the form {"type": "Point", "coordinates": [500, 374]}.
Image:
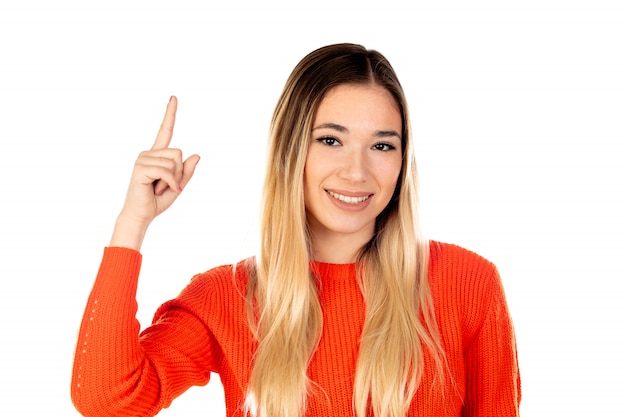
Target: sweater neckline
{"type": "Point", "coordinates": [325, 270]}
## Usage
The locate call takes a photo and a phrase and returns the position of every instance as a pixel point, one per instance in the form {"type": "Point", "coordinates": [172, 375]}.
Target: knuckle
{"type": "Point", "coordinates": [175, 154]}
{"type": "Point", "coordinates": [168, 163]}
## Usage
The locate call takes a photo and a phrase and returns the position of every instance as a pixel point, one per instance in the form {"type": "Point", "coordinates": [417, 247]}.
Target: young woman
{"type": "Point", "coordinates": [346, 311]}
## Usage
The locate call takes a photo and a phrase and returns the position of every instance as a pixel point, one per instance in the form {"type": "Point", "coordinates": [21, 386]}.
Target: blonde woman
{"type": "Point", "coordinates": [346, 311]}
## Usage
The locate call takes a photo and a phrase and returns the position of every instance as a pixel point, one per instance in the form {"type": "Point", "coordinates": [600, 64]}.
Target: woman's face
{"type": "Point", "coordinates": [353, 161]}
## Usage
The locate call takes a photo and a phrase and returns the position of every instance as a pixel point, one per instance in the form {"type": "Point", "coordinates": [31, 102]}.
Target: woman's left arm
{"type": "Point", "coordinates": [493, 385]}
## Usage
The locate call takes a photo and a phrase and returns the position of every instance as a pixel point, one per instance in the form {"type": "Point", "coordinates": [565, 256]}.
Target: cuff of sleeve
{"type": "Point", "coordinates": [119, 270]}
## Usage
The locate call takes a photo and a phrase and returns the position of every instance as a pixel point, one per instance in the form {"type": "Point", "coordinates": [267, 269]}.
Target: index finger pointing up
{"type": "Point", "coordinates": [167, 126]}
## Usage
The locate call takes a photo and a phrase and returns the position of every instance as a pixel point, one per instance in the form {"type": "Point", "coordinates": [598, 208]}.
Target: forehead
{"type": "Point", "coordinates": [358, 104]}
{"type": "Point", "coordinates": [369, 92]}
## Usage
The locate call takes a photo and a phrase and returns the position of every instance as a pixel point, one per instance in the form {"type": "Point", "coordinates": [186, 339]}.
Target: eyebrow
{"type": "Point", "coordinates": [343, 129]}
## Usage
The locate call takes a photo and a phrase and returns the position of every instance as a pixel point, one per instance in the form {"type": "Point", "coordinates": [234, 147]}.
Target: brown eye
{"type": "Point", "coordinates": [384, 147]}
{"type": "Point", "coordinates": [328, 140]}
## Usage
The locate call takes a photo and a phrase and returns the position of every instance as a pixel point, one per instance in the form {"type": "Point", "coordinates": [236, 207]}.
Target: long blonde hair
{"type": "Point", "coordinates": [283, 307]}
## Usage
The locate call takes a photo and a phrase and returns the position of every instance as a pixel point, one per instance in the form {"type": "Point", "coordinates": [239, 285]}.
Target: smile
{"type": "Point", "coordinates": [347, 199]}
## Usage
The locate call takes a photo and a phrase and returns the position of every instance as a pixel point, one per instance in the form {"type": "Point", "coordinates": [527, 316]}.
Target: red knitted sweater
{"type": "Point", "coordinates": [119, 372]}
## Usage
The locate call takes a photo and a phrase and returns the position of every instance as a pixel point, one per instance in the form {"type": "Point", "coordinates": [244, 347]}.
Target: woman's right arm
{"type": "Point", "coordinates": [114, 373]}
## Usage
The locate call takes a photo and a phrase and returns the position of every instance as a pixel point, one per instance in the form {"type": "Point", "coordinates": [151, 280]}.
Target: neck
{"type": "Point", "coordinates": [336, 248]}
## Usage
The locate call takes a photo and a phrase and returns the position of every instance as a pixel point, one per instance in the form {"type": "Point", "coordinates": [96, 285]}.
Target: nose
{"type": "Point", "coordinates": [355, 166]}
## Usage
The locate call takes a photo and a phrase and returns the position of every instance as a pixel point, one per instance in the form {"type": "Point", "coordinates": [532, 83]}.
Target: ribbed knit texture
{"type": "Point", "coordinates": [119, 372]}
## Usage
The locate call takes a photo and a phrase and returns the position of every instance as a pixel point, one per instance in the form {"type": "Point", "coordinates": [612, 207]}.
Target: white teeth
{"type": "Point", "coordinates": [349, 200]}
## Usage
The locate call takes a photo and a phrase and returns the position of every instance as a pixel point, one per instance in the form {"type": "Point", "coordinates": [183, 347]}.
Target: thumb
{"type": "Point", "coordinates": [189, 167]}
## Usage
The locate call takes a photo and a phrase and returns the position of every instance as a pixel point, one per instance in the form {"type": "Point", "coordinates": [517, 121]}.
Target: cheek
{"type": "Point", "coordinates": [309, 179]}
{"type": "Point", "coordinates": [314, 169]}
{"type": "Point", "coordinates": [307, 175]}
{"type": "Point", "coordinates": [389, 175]}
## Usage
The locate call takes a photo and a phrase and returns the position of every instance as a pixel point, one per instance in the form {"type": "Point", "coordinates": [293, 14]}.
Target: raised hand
{"type": "Point", "coordinates": [158, 178]}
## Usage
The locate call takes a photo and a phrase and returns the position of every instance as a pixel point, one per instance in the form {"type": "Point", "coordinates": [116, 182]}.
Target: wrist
{"type": "Point", "coordinates": [128, 233]}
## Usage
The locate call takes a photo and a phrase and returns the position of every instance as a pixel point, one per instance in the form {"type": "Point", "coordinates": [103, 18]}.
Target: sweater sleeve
{"type": "Point", "coordinates": [493, 382]}
{"type": "Point", "coordinates": [117, 371]}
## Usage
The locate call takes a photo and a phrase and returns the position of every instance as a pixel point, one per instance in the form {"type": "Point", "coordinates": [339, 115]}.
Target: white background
{"type": "Point", "coordinates": [518, 109]}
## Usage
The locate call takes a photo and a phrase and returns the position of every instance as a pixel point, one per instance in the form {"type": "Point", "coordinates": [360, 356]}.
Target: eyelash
{"type": "Point", "coordinates": [388, 146]}
{"type": "Point", "coordinates": [326, 139]}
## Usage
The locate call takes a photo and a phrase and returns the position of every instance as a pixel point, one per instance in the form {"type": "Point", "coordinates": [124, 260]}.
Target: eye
{"type": "Point", "coordinates": [383, 146]}
{"type": "Point", "coordinates": [328, 140]}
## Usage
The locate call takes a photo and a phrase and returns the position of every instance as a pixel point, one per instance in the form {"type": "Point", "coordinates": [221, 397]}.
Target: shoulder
{"type": "Point", "coordinates": [220, 281]}
{"type": "Point", "coordinates": [215, 289]}
{"type": "Point", "coordinates": [462, 281]}
{"type": "Point", "coordinates": [453, 259]}
{"type": "Point", "coordinates": [452, 265]}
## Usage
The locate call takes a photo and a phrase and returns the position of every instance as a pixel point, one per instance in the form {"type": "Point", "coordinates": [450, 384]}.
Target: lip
{"type": "Point", "coordinates": [349, 193]}
{"type": "Point", "coordinates": [349, 206]}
